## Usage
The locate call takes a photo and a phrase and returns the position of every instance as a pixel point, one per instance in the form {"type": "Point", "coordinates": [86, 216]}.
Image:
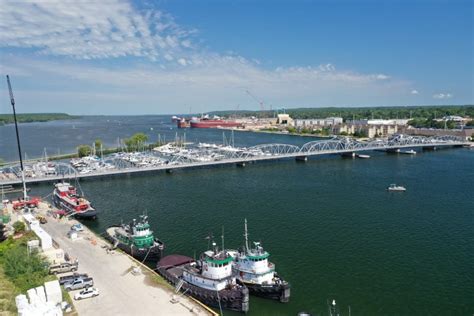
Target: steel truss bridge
{"type": "Point", "coordinates": [241, 156]}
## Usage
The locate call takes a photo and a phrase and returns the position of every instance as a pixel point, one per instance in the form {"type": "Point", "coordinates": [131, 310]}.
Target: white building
{"type": "Point", "coordinates": [381, 122]}
{"type": "Point", "coordinates": [317, 123]}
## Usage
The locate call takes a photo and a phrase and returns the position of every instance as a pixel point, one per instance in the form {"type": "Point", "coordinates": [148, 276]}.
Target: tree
{"type": "Point", "coordinates": [136, 141]}
{"type": "Point", "coordinates": [19, 227]}
{"type": "Point", "coordinates": [98, 145]}
{"type": "Point", "coordinates": [26, 271]}
{"type": "Point", "coordinates": [84, 150]}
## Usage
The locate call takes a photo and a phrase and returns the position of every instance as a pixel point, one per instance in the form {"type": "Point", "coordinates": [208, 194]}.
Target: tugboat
{"type": "Point", "coordinates": [65, 196]}
{"type": "Point", "coordinates": [209, 279]}
{"type": "Point", "coordinates": [136, 239]}
{"type": "Point", "coordinates": [257, 273]}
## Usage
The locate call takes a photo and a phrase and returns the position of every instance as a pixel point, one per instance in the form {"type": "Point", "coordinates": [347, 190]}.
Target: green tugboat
{"type": "Point", "coordinates": [136, 239]}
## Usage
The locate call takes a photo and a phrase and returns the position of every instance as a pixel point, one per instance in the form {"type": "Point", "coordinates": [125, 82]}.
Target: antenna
{"type": "Point", "coordinates": [12, 101]}
{"type": "Point", "coordinates": [223, 249]}
{"type": "Point", "coordinates": [246, 235]}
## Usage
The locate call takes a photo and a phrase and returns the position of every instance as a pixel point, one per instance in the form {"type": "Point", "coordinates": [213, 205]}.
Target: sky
{"type": "Point", "coordinates": [194, 56]}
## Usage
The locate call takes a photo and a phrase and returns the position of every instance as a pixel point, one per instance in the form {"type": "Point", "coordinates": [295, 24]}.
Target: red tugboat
{"type": "Point", "coordinates": [65, 197]}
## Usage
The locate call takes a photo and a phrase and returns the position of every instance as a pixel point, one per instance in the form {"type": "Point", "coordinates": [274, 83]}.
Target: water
{"type": "Point", "coordinates": [330, 226]}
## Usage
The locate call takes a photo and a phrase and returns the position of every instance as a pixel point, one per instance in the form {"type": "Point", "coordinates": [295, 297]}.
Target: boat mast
{"type": "Point", "coordinates": [223, 249]}
{"type": "Point", "coordinates": [246, 235]}
{"type": "Point", "coordinates": [12, 100]}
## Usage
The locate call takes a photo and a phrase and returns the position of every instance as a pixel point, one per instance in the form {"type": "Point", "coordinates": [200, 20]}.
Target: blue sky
{"type": "Point", "coordinates": [124, 57]}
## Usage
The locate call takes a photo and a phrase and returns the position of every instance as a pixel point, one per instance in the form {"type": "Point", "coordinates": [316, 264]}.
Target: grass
{"type": "Point", "coordinates": [7, 295]}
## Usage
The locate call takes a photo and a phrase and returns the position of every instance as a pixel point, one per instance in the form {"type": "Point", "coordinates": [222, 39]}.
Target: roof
{"type": "Point", "coordinates": [173, 261]}
{"type": "Point", "coordinates": [261, 256]}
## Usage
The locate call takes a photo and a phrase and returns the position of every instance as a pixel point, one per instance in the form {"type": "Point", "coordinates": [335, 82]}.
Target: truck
{"type": "Point", "coordinates": [68, 278]}
{"type": "Point", "coordinates": [64, 267]}
{"type": "Point", "coordinates": [78, 284]}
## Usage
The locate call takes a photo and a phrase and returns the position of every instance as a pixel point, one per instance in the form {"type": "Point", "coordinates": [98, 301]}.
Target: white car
{"type": "Point", "coordinates": [86, 293]}
{"type": "Point", "coordinates": [77, 228]}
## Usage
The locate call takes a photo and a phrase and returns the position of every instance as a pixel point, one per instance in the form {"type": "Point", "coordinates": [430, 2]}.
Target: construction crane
{"type": "Point", "coordinates": [260, 102]}
{"type": "Point", "coordinates": [12, 101]}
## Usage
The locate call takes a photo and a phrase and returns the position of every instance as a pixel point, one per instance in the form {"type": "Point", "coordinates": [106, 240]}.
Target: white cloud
{"type": "Point", "coordinates": [184, 73]}
{"type": "Point", "coordinates": [91, 30]}
{"type": "Point", "coordinates": [441, 96]}
{"type": "Point", "coordinates": [414, 91]}
{"type": "Point", "coordinates": [209, 82]}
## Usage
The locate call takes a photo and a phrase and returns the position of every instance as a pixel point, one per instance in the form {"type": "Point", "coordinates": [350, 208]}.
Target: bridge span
{"type": "Point", "coordinates": [240, 156]}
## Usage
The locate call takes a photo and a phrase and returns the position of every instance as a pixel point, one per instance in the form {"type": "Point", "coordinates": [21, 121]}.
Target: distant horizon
{"type": "Point", "coordinates": [249, 110]}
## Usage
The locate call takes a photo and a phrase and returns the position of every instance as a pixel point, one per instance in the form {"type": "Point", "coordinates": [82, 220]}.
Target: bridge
{"type": "Point", "coordinates": [241, 156]}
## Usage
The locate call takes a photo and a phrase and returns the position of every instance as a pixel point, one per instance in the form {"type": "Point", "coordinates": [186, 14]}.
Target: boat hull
{"type": "Point", "coordinates": [152, 254]}
{"type": "Point", "coordinates": [90, 214]}
{"type": "Point", "coordinates": [279, 292]}
{"type": "Point", "coordinates": [236, 299]}
{"type": "Point", "coordinates": [214, 124]}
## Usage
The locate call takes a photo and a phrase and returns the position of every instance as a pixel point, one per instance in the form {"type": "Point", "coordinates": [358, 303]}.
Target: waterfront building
{"type": "Point", "coordinates": [284, 119]}
{"type": "Point", "coordinates": [318, 123]}
{"type": "Point", "coordinates": [402, 122]}
{"type": "Point", "coordinates": [372, 131]}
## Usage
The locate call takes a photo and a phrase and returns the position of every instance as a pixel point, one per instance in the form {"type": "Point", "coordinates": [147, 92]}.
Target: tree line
{"type": "Point", "coordinates": [357, 113]}
{"type": "Point", "coordinates": [34, 117]}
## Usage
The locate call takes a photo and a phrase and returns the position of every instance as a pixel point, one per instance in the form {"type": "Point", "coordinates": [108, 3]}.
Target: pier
{"type": "Point", "coordinates": [242, 156]}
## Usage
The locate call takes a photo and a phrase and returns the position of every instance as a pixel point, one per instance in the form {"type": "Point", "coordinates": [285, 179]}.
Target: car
{"type": "Point", "coordinates": [71, 277]}
{"type": "Point", "coordinates": [77, 228]}
{"type": "Point", "coordinates": [78, 284]}
{"type": "Point", "coordinates": [86, 293]}
{"type": "Point", "coordinates": [41, 219]}
{"type": "Point", "coordinates": [64, 267]}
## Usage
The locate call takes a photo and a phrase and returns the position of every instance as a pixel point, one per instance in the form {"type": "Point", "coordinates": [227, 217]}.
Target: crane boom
{"type": "Point", "coordinates": [260, 102]}
{"type": "Point", "coordinates": [12, 101]}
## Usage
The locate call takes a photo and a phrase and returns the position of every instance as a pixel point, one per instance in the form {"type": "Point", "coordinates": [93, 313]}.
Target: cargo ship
{"type": "Point", "coordinates": [213, 123]}
{"type": "Point", "coordinates": [253, 270]}
{"type": "Point", "coordinates": [210, 279]}
{"type": "Point", "coordinates": [136, 239]}
{"type": "Point", "coordinates": [65, 197]}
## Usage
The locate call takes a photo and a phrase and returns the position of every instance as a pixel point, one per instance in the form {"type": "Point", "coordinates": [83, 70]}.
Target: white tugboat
{"type": "Point", "coordinates": [210, 279]}
{"type": "Point", "coordinates": [257, 273]}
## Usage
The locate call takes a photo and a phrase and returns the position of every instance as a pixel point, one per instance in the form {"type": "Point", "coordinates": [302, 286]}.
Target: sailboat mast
{"type": "Point", "coordinates": [246, 235]}
{"type": "Point", "coordinates": [12, 100]}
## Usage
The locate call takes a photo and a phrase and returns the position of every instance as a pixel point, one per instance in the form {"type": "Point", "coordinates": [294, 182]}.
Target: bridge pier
{"type": "Point", "coordinates": [430, 148]}
{"type": "Point", "coordinates": [169, 171]}
{"type": "Point", "coordinates": [393, 150]}
{"type": "Point", "coordinates": [301, 158]}
{"type": "Point", "coordinates": [240, 164]}
{"type": "Point", "coordinates": [348, 155]}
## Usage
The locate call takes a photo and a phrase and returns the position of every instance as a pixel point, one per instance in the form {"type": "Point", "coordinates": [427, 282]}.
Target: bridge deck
{"type": "Point", "coordinates": [307, 150]}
